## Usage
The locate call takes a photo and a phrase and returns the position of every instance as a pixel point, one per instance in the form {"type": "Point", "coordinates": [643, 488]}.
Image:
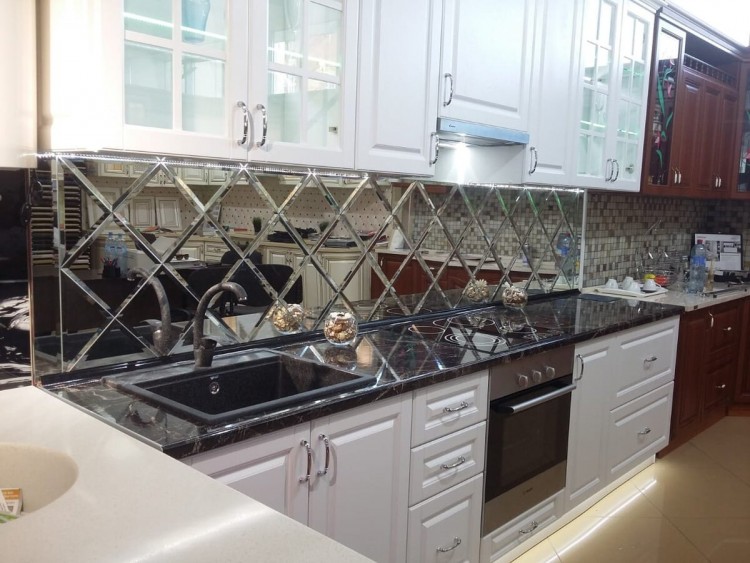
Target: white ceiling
{"type": "Point", "coordinates": [729, 17]}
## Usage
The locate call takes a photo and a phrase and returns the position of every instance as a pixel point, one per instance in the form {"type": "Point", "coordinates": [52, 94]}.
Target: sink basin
{"type": "Point", "coordinates": [41, 473]}
{"type": "Point", "coordinates": [262, 386]}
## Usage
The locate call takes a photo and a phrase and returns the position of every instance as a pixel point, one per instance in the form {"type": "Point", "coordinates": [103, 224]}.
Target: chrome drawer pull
{"type": "Point", "coordinates": [264, 115]}
{"type": "Point", "coordinates": [245, 122]}
{"type": "Point", "coordinates": [449, 77]}
{"type": "Point", "coordinates": [327, 443]}
{"type": "Point", "coordinates": [583, 365]}
{"type": "Point", "coordinates": [456, 543]}
{"type": "Point", "coordinates": [305, 444]}
{"type": "Point", "coordinates": [462, 406]}
{"type": "Point", "coordinates": [651, 359]}
{"type": "Point", "coordinates": [536, 160]}
{"type": "Point", "coordinates": [645, 431]}
{"type": "Point", "coordinates": [728, 329]}
{"type": "Point", "coordinates": [722, 386]}
{"type": "Point", "coordinates": [534, 526]}
{"type": "Point", "coordinates": [459, 461]}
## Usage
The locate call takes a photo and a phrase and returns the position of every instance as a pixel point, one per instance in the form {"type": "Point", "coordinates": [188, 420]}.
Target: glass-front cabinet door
{"type": "Point", "coordinates": [743, 176]}
{"type": "Point", "coordinates": [303, 81]}
{"type": "Point", "coordinates": [615, 62]}
{"type": "Point", "coordinates": [184, 70]}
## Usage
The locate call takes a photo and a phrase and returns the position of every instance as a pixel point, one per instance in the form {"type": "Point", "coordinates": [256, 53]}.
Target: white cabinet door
{"type": "Point", "coordinates": [613, 90]}
{"type": "Point", "coordinates": [447, 527]}
{"type": "Point", "coordinates": [18, 97]}
{"type": "Point", "coordinates": [486, 61]}
{"type": "Point", "coordinates": [338, 268]}
{"type": "Point", "coordinates": [397, 85]}
{"type": "Point", "coordinates": [160, 77]}
{"type": "Point", "coordinates": [549, 156]}
{"type": "Point", "coordinates": [589, 411]}
{"type": "Point", "coordinates": [303, 81]}
{"type": "Point", "coordinates": [362, 498]}
{"type": "Point", "coordinates": [267, 469]}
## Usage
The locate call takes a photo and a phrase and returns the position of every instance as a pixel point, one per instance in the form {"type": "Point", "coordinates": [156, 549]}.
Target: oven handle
{"type": "Point", "coordinates": [525, 405]}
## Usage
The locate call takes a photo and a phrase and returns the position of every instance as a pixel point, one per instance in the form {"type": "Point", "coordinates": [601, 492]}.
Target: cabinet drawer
{"type": "Point", "coordinates": [442, 463]}
{"type": "Point", "coordinates": [447, 407]}
{"type": "Point", "coordinates": [646, 358]}
{"type": "Point", "coordinates": [638, 430]}
{"type": "Point", "coordinates": [516, 532]}
{"type": "Point", "coordinates": [447, 527]}
{"type": "Point", "coordinates": [215, 250]}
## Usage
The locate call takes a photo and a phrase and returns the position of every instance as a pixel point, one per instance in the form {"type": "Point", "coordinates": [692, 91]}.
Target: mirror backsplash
{"type": "Point", "coordinates": [377, 247]}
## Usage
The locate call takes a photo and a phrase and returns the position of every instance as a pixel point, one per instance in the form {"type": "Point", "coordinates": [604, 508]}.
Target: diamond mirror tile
{"type": "Point", "coordinates": [128, 234]}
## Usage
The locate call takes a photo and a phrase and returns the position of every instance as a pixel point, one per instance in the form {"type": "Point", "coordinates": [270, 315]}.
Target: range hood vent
{"type": "Point", "coordinates": [479, 135]}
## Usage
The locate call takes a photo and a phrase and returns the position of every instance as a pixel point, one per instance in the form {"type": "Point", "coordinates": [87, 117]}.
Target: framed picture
{"type": "Point", "coordinates": [168, 212]}
{"type": "Point", "coordinates": [143, 212]}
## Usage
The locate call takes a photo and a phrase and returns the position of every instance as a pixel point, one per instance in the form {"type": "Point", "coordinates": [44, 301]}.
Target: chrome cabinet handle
{"type": "Point", "coordinates": [536, 160]}
{"type": "Point", "coordinates": [674, 176]}
{"type": "Point", "coordinates": [712, 320]}
{"type": "Point", "coordinates": [436, 144]}
{"type": "Point", "coordinates": [609, 169]}
{"type": "Point", "coordinates": [645, 431]}
{"type": "Point", "coordinates": [583, 365]}
{"type": "Point", "coordinates": [720, 181]}
{"type": "Point", "coordinates": [456, 543]}
{"type": "Point", "coordinates": [327, 443]}
{"type": "Point", "coordinates": [722, 386]}
{"type": "Point", "coordinates": [245, 122]}
{"type": "Point", "coordinates": [679, 176]}
{"type": "Point", "coordinates": [459, 461]}
{"type": "Point", "coordinates": [460, 407]}
{"type": "Point", "coordinates": [728, 329]}
{"type": "Point", "coordinates": [449, 76]}
{"type": "Point", "coordinates": [534, 526]}
{"type": "Point", "coordinates": [306, 478]}
{"type": "Point", "coordinates": [648, 361]}
{"type": "Point", "coordinates": [615, 162]}
{"type": "Point", "coordinates": [264, 114]}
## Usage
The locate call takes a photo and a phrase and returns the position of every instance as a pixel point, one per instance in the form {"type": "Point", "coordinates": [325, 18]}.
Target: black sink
{"type": "Point", "coordinates": [262, 386]}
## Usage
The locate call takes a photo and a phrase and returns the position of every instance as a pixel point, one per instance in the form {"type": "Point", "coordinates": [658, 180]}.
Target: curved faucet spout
{"type": "Point", "coordinates": [203, 348]}
{"type": "Point", "coordinates": [163, 334]}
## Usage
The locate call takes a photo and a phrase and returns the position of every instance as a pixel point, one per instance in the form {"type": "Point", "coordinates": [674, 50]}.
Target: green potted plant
{"type": "Point", "coordinates": [256, 224]}
{"type": "Point", "coordinates": [323, 225]}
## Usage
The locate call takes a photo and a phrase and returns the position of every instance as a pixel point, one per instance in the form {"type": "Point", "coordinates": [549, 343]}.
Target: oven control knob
{"type": "Point", "coordinates": [549, 372]}
{"type": "Point", "coordinates": [536, 376]}
{"type": "Point", "coordinates": [522, 380]}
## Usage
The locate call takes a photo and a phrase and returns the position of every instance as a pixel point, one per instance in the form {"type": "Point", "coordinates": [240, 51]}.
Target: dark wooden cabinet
{"type": "Point", "coordinates": [708, 354]}
{"type": "Point", "coordinates": [741, 182]}
{"type": "Point", "coordinates": [742, 382]}
{"type": "Point", "coordinates": [693, 106]}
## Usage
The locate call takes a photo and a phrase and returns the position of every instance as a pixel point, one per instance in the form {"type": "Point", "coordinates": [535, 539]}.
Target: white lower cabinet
{"type": "Point", "coordinates": [446, 527]}
{"type": "Point", "coordinates": [513, 534]}
{"type": "Point", "coordinates": [346, 476]}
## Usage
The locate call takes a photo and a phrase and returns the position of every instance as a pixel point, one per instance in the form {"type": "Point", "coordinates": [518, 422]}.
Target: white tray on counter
{"type": "Point", "coordinates": [627, 293]}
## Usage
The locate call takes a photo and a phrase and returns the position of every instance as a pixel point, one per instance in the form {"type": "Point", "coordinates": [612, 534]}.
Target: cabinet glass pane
{"type": "Point", "coordinates": [607, 16]}
{"type": "Point", "coordinates": [324, 111]}
{"type": "Point", "coordinates": [284, 107]}
{"type": "Point", "coordinates": [203, 95]}
{"type": "Point", "coordinates": [743, 183]}
{"type": "Point", "coordinates": [204, 23]}
{"type": "Point", "coordinates": [285, 32]}
{"type": "Point", "coordinates": [148, 86]}
{"type": "Point", "coordinates": [590, 155]}
{"type": "Point", "coordinates": [324, 43]}
{"type": "Point", "coordinates": [152, 17]}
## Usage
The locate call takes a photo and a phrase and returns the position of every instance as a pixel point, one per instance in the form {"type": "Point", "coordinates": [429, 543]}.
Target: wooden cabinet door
{"type": "Point", "coordinates": [708, 136]}
{"type": "Point", "coordinates": [360, 498]}
{"type": "Point", "coordinates": [687, 131]}
{"type": "Point", "coordinates": [726, 145]}
{"type": "Point", "coordinates": [690, 372]}
{"type": "Point", "coordinates": [390, 263]}
{"type": "Point", "coordinates": [742, 386]}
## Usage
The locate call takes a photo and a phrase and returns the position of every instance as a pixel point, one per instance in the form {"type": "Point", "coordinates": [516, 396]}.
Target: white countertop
{"type": "Point", "coordinates": [133, 503]}
{"type": "Point", "coordinates": [691, 302]}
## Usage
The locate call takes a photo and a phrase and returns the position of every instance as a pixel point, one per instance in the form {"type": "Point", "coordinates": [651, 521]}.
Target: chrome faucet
{"type": "Point", "coordinates": [162, 334]}
{"type": "Point", "coordinates": [203, 348]}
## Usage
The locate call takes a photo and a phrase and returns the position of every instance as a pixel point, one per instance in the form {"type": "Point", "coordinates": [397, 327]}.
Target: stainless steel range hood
{"type": "Point", "coordinates": [477, 134]}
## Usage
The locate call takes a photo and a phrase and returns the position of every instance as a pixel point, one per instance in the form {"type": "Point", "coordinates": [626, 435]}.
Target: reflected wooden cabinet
{"type": "Point", "coordinates": [742, 385]}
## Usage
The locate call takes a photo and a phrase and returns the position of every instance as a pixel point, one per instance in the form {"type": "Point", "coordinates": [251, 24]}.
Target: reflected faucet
{"type": "Point", "coordinates": [203, 348]}
{"type": "Point", "coordinates": [162, 334]}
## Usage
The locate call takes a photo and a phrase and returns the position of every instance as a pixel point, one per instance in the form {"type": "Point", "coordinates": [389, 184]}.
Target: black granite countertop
{"type": "Point", "coordinates": [399, 357]}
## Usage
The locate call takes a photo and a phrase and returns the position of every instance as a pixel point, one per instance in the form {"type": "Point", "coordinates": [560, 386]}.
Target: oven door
{"type": "Point", "coordinates": [527, 450]}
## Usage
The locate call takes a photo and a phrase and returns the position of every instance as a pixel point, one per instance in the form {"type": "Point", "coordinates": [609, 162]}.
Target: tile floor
{"type": "Point", "coordinates": [691, 505]}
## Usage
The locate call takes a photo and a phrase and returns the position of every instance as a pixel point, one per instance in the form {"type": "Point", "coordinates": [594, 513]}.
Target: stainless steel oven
{"type": "Point", "coordinates": [527, 434]}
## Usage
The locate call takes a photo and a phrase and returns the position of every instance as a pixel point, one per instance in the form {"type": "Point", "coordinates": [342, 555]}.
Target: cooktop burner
{"type": "Point", "coordinates": [487, 332]}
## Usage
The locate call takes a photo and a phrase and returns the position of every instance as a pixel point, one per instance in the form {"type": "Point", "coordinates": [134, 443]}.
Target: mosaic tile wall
{"type": "Point", "coordinates": [617, 225]}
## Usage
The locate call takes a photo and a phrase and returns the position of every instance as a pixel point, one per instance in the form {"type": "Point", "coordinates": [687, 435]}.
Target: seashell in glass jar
{"type": "Point", "coordinates": [340, 327]}
{"type": "Point", "coordinates": [514, 297]}
{"type": "Point", "coordinates": [287, 319]}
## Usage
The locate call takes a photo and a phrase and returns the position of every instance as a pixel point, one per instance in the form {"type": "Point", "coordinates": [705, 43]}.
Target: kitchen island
{"type": "Point", "coordinates": [131, 503]}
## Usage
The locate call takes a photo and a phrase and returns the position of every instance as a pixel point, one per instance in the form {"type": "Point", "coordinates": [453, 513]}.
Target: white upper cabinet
{"type": "Point", "coordinates": [612, 88]}
{"type": "Point", "coordinates": [486, 61]}
{"type": "Point", "coordinates": [18, 89]}
{"type": "Point", "coordinates": [399, 58]}
{"type": "Point", "coordinates": [145, 76]}
{"type": "Point", "coordinates": [303, 64]}
{"type": "Point", "coordinates": [550, 154]}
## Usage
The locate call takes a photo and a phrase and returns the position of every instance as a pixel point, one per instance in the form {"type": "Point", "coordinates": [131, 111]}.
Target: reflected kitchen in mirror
{"type": "Point", "coordinates": [328, 241]}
